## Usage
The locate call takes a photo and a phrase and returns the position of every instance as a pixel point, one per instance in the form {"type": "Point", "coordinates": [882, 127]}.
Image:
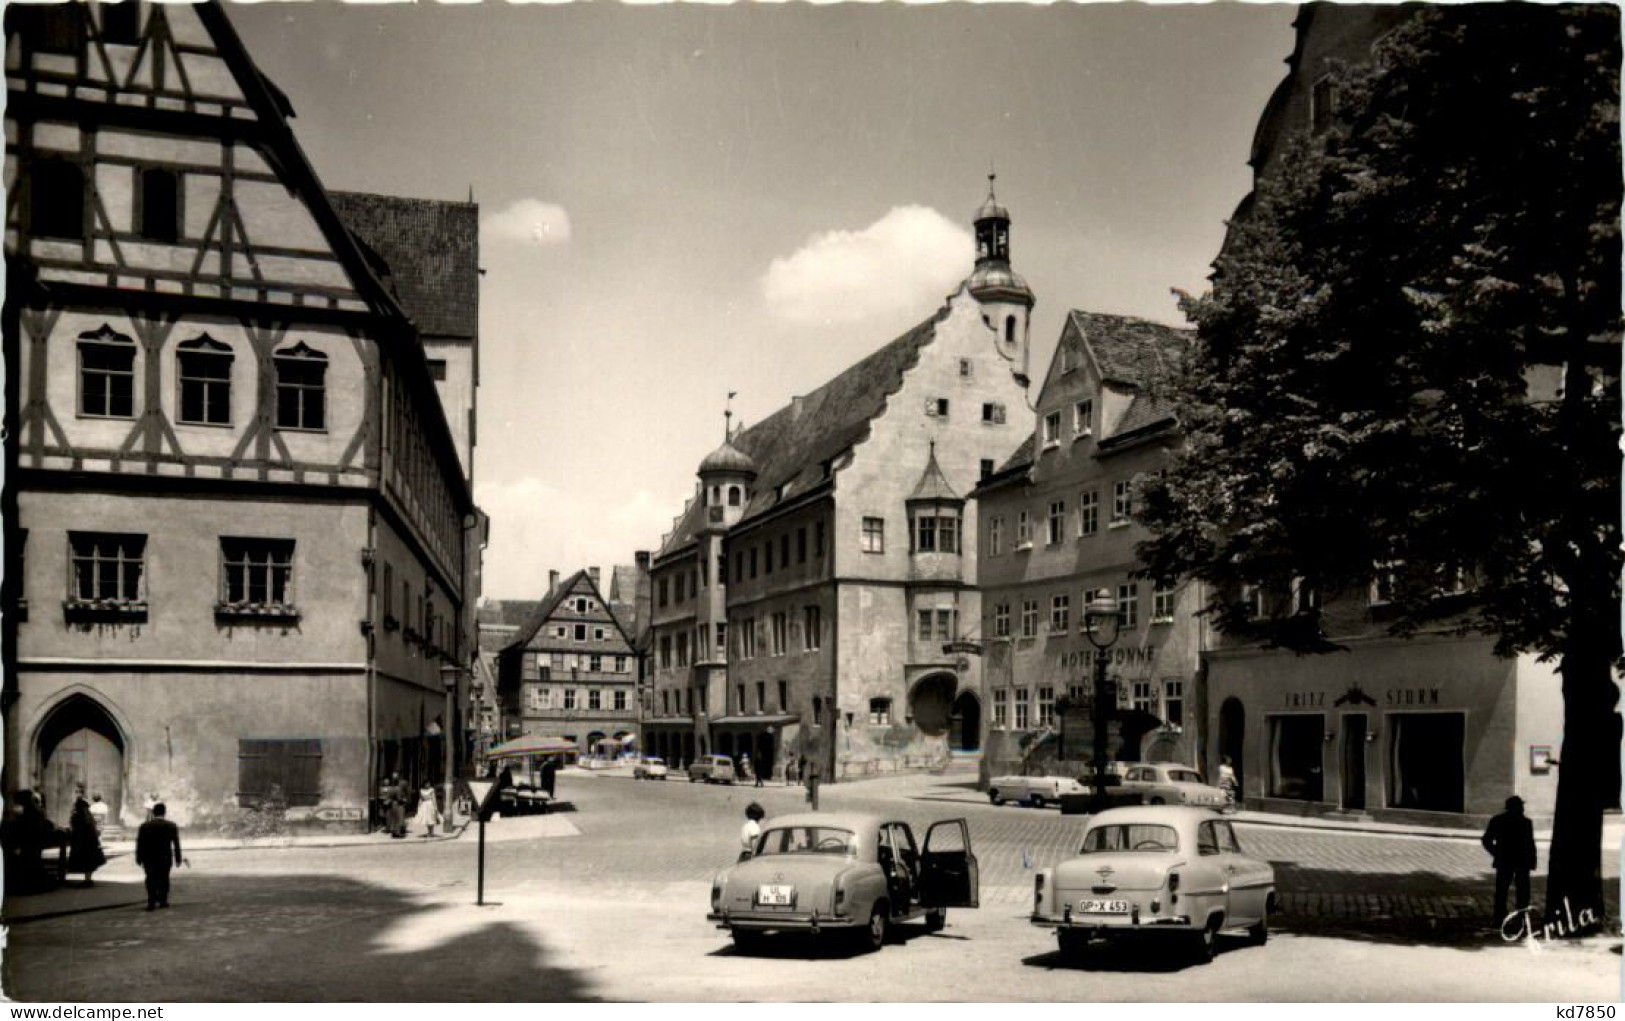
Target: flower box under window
{"type": "Point", "coordinates": [254, 613]}
{"type": "Point", "coordinates": [104, 611]}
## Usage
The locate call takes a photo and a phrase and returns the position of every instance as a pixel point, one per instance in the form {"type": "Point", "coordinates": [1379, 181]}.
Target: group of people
{"type": "Point", "coordinates": [28, 833]}
{"type": "Point", "coordinates": [399, 801]}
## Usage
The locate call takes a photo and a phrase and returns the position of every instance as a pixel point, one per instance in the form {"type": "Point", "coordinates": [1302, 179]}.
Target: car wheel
{"type": "Point", "coordinates": [995, 797]}
{"type": "Point", "coordinates": [1259, 934]}
{"type": "Point", "coordinates": [1204, 944]}
{"type": "Point", "coordinates": [936, 921]}
{"type": "Point", "coordinates": [693, 779]}
{"type": "Point", "coordinates": [1038, 801]}
{"type": "Point", "coordinates": [1154, 801]}
{"type": "Point", "coordinates": [1073, 943]}
{"type": "Point", "coordinates": [873, 936]}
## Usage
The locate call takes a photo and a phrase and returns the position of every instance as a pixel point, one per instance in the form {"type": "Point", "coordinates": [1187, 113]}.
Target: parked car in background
{"type": "Point", "coordinates": [1036, 791]}
{"type": "Point", "coordinates": [1168, 872]}
{"type": "Point", "coordinates": [649, 768]}
{"type": "Point", "coordinates": [845, 874]}
{"type": "Point", "coordinates": [711, 769]}
{"type": "Point", "coordinates": [1168, 783]}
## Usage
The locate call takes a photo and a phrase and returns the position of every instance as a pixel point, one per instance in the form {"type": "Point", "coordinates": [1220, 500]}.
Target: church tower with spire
{"type": "Point", "coordinates": [1007, 301]}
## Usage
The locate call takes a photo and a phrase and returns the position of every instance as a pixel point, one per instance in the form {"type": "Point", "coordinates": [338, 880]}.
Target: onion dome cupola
{"type": "Point", "coordinates": [1007, 301]}
{"type": "Point", "coordinates": [935, 513]}
{"type": "Point", "coordinates": [727, 475]}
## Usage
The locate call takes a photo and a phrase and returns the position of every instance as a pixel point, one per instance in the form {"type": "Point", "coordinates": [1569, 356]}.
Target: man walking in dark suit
{"type": "Point", "coordinates": [157, 850]}
{"type": "Point", "coordinates": [1510, 840]}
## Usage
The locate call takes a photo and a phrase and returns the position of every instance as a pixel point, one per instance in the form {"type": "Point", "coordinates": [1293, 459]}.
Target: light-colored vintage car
{"type": "Point", "coordinates": [848, 874]}
{"type": "Point", "coordinates": [1167, 871]}
{"type": "Point", "coordinates": [1167, 783]}
{"type": "Point", "coordinates": [650, 768]}
{"type": "Point", "coordinates": [711, 769]}
{"type": "Point", "coordinates": [1037, 791]}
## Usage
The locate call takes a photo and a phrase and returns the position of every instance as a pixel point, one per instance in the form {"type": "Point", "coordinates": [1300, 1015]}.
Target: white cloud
{"type": "Point", "coordinates": [536, 527]}
{"type": "Point", "coordinates": [911, 255]}
{"type": "Point", "coordinates": [530, 222]}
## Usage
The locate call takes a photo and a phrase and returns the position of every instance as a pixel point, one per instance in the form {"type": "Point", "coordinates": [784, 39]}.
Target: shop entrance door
{"type": "Point", "coordinates": [1354, 734]}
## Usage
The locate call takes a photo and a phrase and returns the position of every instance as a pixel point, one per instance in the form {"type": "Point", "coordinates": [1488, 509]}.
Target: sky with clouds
{"type": "Point", "coordinates": [681, 201]}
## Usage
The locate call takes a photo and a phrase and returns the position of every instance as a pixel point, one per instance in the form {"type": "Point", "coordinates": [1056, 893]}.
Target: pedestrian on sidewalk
{"type": "Point", "coordinates": [744, 768]}
{"type": "Point", "coordinates": [751, 831]}
{"type": "Point", "coordinates": [394, 794]}
{"type": "Point", "coordinates": [98, 812]}
{"type": "Point", "coordinates": [84, 841]}
{"type": "Point", "coordinates": [157, 850]}
{"type": "Point", "coordinates": [812, 772]}
{"type": "Point", "coordinates": [790, 769]}
{"type": "Point", "coordinates": [428, 816]}
{"type": "Point", "coordinates": [1510, 840]}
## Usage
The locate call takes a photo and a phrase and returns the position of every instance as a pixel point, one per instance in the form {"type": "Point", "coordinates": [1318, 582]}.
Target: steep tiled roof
{"type": "Point", "coordinates": [545, 608]}
{"type": "Point", "coordinates": [933, 485]}
{"type": "Point", "coordinates": [623, 583]}
{"type": "Point", "coordinates": [506, 612]}
{"type": "Point", "coordinates": [1022, 457]}
{"type": "Point", "coordinates": [1132, 351]}
{"type": "Point", "coordinates": [792, 446]}
{"type": "Point", "coordinates": [1146, 410]}
{"type": "Point", "coordinates": [432, 251]}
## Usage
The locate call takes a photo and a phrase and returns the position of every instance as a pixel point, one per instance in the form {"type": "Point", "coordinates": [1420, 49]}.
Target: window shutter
{"type": "Point", "coordinates": [303, 786]}
{"type": "Point", "coordinates": [931, 406]}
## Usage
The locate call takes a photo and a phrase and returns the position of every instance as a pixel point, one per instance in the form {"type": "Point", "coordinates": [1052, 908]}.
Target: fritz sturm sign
{"type": "Point", "coordinates": [1394, 698]}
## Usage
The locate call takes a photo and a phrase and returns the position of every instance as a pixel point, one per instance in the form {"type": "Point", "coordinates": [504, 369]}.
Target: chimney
{"type": "Point", "coordinates": [552, 582]}
{"type": "Point", "coordinates": [592, 572]}
{"type": "Point", "coordinates": [642, 559]}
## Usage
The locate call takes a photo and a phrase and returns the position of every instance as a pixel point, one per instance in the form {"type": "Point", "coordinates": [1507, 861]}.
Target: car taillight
{"type": "Point", "coordinates": [840, 896]}
{"type": "Point", "coordinates": [1038, 892]}
{"type": "Point", "coordinates": [1173, 884]}
{"type": "Point", "coordinates": [716, 893]}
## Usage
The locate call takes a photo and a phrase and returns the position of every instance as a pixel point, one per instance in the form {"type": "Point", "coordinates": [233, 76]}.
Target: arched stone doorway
{"type": "Point", "coordinates": [965, 725]}
{"type": "Point", "coordinates": [1232, 733]}
{"type": "Point", "coordinates": [931, 703]}
{"type": "Point", "coordinates": [79, 743]}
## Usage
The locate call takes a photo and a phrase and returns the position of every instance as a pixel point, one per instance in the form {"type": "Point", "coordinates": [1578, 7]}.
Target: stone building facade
{"type": "Point", "coordinates": [803, 600]}
{"type": "Point", "coordinates": [1058, 526]}
{"type": "Point", "coordinates": [241, 541]}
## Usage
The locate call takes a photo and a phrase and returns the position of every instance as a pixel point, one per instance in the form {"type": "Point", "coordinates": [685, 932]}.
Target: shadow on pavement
{"type": "Point", "coordinates": [298, 937]}
{"type": "Point", "coordinates": [1410, 908]}
{"type": "Point", "coordinates": [824, 947]}
{"type": "Point", "coordinates": [1159, 956]}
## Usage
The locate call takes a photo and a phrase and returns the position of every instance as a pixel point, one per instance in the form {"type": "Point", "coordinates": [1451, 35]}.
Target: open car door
{"type": "Point", "coordinates": [949, 877]}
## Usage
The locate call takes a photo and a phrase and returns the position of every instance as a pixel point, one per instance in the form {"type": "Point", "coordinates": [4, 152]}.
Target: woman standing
{"type": "Point", "coordinates": [748, 833]}
{"type": "Point", "coordinates": [428, 815]}
{"type": "Point", "coordinates": [84, 841]}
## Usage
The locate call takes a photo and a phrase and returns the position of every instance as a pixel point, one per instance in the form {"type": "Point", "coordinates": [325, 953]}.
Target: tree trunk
{"type": "Point", "coordinates": [1587, 782]}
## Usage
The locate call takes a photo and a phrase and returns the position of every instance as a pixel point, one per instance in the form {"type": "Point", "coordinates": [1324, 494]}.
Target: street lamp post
{"type": "Point", "coordinates": [448, 679]}
{"type": "Point", "coordinates": [1101, 623]}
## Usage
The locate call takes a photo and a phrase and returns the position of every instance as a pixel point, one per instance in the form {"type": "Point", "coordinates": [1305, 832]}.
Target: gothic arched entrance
{"type": "Point", "coordinates": [965, 725]}
{"type": "Point", "coordinates": [79, 743]}
{"type": "Point", "coordinates": [1232, 732]}
{"type": "Point", "coordinates": [931, 703]}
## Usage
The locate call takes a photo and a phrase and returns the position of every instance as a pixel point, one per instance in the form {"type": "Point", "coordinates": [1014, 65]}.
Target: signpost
{"type": "Point", "coordinates": [487, 795]}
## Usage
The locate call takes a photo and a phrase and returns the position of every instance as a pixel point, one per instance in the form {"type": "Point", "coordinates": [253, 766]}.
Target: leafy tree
{"type": "Point", "coordinates": [1409, 358]}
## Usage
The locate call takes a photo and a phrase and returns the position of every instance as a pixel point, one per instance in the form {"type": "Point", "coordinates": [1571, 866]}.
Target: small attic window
{"type": "Point", "coordinates": [1009, 329]}
{"type": "Point", "coordinates": [733, 496]}
{"type": "Point", "coordinates": [964, 368]}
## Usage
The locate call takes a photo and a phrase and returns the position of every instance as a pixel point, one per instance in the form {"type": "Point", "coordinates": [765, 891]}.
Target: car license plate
{"type": "Point", "coordinates": [1101, 907]}
{"type": "Point", "coordinates": [781, 896]}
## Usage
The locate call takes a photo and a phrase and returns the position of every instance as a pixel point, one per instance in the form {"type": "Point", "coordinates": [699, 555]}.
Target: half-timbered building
{"type": "Point", "coordinates": [239, 515]}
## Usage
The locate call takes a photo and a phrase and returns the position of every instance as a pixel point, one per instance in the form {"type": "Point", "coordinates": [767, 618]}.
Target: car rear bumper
{"type": "Point", "coordinates": [792, 921]}
{"type": "Point", "coordinates": [1132, 922]}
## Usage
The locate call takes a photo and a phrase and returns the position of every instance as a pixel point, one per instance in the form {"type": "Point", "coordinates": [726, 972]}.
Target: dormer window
{"type": "Point", "coordinates": [1083, 419]}
{"type": "Point", "coordinates": [1052, 429]}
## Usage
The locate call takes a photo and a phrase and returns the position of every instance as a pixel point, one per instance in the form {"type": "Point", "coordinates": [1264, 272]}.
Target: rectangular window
{"type": "Point", "coordinates": [1384, 583]}
{"type": "Point", "coordinates": [818, 539]}
{"type": "Point", "coordinates": [1173, 701]}
{"type": "Point", "coordinates": [1425, 761]}
{"type": "Point", "coordinates": [936, 407]}
{"type": "Point", "coordinates": [437, 369]}
{"type": "Point", "coordinates": [159, 214]}
{"type": "Point", "coordinates": [1305, 597]}
{"type": "Point", "coordinates": [964, 368]}
{"type": "Point", "coordinates": [880, 712]}
{"type": "Point", "coordinates": [1122, 502]}
{"type": "Point", "coordinates": [801, 545]}
{"type": "Point", "coordinates": [874, 535]}
{"type": "Point", "coordinates": [753, 561]}
{"type": "Point", "coordinates": [1296, 749]}
{"type": "Point", "coordinates": [257, 571]}
{"type": "Point", "coordinates": [1162, 606]}
{"type": "Point", "coordinates": [595, 663]}
{"type": "Point", "coordinates": [986, 468]}
{"type": "Point", "coordinates": [1046, 707]}
{"type": "Point", "coordinates": [780, 632]}
{"type": "Point", "coordinates": [1083, 418]}
{"type": "Point", "coordinates": [767, 556]}
{"type": "Point", "coordinates": [569, 698]}
{"type": "Point", "coordinates": [57, 197]}
{"type": "Point", "coordinates": [784, 550]}
{"type": "Point", "coordinates": [1252, 597]}
{"type": "Point", "coordinates": [292, 768]}
{"type": "Point", "coordinates": [660, 592]}
{"type": "Point", "coordinates": [580, 632]}
{"type": "Point", "coordinates": [301, 389]}
{"type": "Point", "coordinates": [1024, 531]}
{"type": "Point", "coordinates": [1142, 700]}
{"type": "Point", "coordinates": [1001, 708]}
{"type": "Point", "coordinates": [620, 701]}
{"type": "Point", "coordinates": [665, 703]}
{"type": "Point", "coordinates": [995, 536]}
{"type": "Point", "coordinates": [678, 590]}
{"type": "Point", "coordinates": [1060, 614]}
{"type": "Point", "coordinates": [1052, 429]}
{"type": "Point", "coordinates": [1057, 519]}
{"type": "Point", "coordinates": [946, 623]}
{"type": "Point", "coordinates": [1001, 620]}
{"type": "Point", "coordinates": [1088, 513]}
{"type": "Point", "coordinates": [106, 375]}
{"type": "Point", "coordinates": [748, 639]}
{"type": "Point", "coordinates": [1029, 618]}
{"type": "Point", "coordinates": [665, 652]}
{"type": "Point", "coordinates": [739, 698]}
{"type": "Point", "coordinates": [620, 664]}
{"type": "Point", "coordinates": [682, 649]}
{"type": "Point", "coordinates": [925, 534]}
{"type": "Point", "coordinates": [204, 370]}
{"type": "Point", "coordinates": [107, 565]}
{"type": "Point", "coordinates": [993, 413]}
{"type": "Point", "coordinates": [923, 624]}
{"type": "Point", "coordinates": [1128, 605]}
{"type": "Point", "coordinates": [595, 699]}
{"type": "Point", "coordinates": [812, 628]}
{"type": "Point", "coordinates": [1023, 719]}
{"type": "Point", "coordinates": [739, 566]}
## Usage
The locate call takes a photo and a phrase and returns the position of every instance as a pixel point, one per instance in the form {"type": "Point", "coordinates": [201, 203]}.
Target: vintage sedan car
{"type": "Point", "coordinates": [1167, 783]}
{"type": "Point", "coordinates": [1165, 871]}
{"type": "Point", "coordinates": [711, 769]}
{"type": "Point", "coordinates": [846, 874]}
{"type": "Point", "coordinates": [1036, 791]}
{"type": "Point", "coordinates": [650, 768]}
